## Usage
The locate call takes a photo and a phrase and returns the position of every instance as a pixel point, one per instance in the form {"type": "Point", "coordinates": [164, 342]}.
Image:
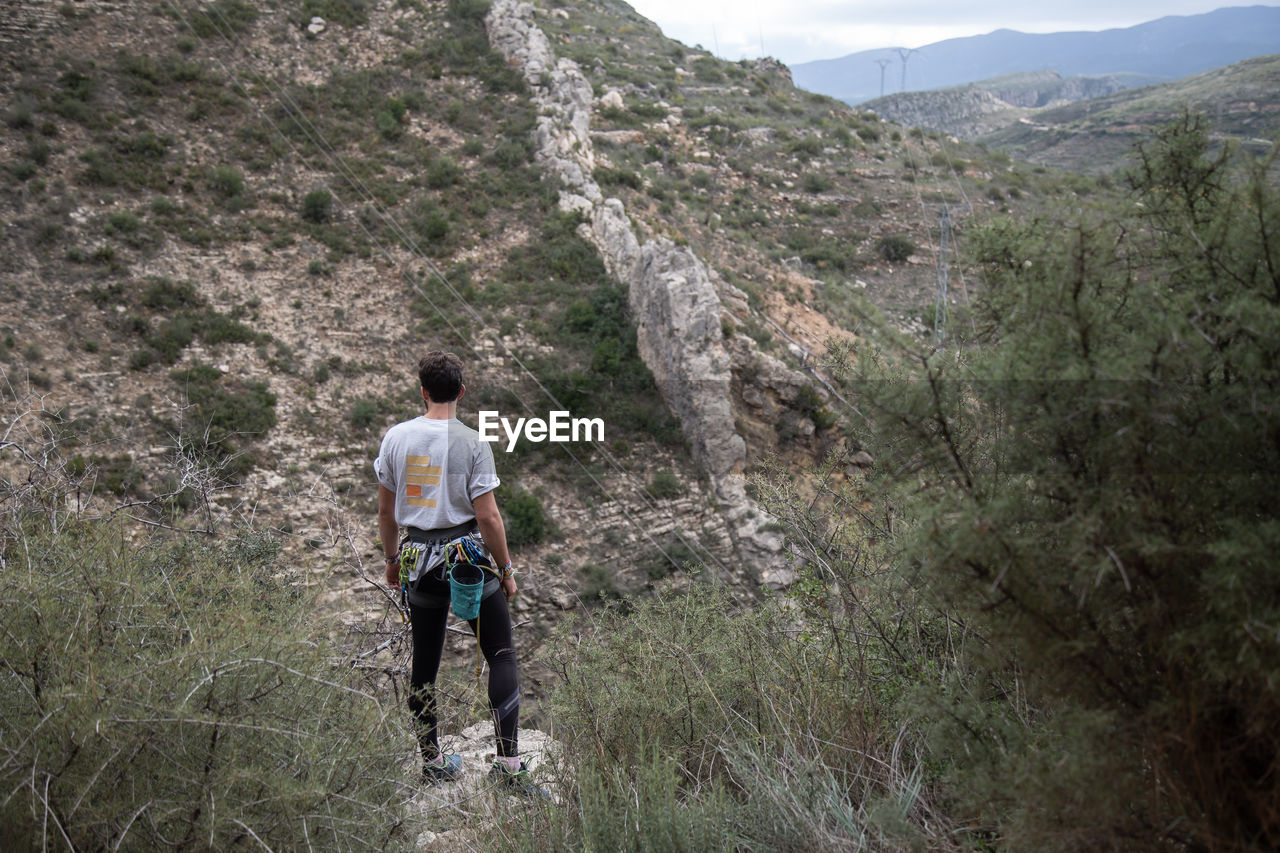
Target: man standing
{"type": "Point", "coordinates": [437, 480]}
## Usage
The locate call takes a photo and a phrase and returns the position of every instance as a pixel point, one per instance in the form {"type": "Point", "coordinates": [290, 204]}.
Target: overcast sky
{"type": "Point", "coordinates": [803, 30]}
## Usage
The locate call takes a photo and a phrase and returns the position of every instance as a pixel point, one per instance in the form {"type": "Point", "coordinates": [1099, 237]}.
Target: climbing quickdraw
{"type": "Point", "coordinates": [410, 554]}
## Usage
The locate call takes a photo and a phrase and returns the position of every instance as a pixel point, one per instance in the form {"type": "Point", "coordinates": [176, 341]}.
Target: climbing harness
{"type": "Point", "coordinates": [466, 567]}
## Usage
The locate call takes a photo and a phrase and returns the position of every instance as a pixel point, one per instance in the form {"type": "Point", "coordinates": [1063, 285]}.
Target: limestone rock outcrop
{"type": "Point", "coordinates": [672, 297]}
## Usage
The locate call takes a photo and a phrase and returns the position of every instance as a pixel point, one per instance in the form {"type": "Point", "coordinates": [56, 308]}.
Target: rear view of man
{"type": "Point", "coordinates": [437, 480]}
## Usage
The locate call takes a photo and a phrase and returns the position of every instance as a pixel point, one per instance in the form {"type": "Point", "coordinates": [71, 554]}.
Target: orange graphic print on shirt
{"type": "Point", "coordinates": [421, 479]}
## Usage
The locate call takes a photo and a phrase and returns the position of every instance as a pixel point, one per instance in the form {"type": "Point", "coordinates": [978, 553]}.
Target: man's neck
{"type": "Point", "coordinates": [442, 411]}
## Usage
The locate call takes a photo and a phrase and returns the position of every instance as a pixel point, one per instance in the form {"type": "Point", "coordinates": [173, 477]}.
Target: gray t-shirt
{"type": "Point", "coordinates": [436, 468]}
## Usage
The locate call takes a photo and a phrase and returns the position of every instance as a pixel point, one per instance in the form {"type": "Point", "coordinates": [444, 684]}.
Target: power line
{"type": "Point", "coordinates": [883, 63]}
{"type": "Point", "coordinates": [904, 53]}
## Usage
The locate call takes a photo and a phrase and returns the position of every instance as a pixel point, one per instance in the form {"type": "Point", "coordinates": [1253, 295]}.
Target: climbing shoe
{"type": "Point", "coordinates": [450, 771]}
{"type": "Point", "coordinates": [519, 782]}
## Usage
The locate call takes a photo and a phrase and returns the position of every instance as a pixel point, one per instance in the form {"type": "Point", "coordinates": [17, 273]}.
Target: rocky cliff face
{"type": "Point", "coordinates": [967, 112]}
{"type": "Point", "coordinates": [963, 113]}
{"type": "Point", "coordinates": [673, 299]}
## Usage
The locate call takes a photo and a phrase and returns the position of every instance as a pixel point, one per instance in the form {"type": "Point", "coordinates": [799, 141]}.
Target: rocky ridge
{"type": "Point", "coordinates": [672, 295]}
{"type": "Point", "coordinates": [975, 109]}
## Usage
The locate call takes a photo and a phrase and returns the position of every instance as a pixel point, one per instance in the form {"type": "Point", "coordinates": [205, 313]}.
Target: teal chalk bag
{"type": "Point", "coordinates": [466, 588]}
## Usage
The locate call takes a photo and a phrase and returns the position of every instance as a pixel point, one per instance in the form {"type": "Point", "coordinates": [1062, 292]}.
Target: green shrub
{"type": "Point", "coordinates": [467, 49]}
{"type": "Point", "coordinates": [171, 338]}
{"type": "Point", "coordinates": [617, 117]}
{"type": "Point", "coordinates": [895, 248]}
{"type": "Point", "coordinates": [366, 413]}
{"type": "Point", "coordinates": [117, 474]}
{"type": "Point", "coordinates": [430, 222]}
{"type": "Point", "coordinates": [38, 151]}
{"type": "Point", "coordinates": [810, 402]}
{"type": "Point", "coordinates": [607, 177]}
{"type": "Point", "coordinates": [1092, 492]}
{"type": "Point", "coordinates": [665, 484]}
{"type": "Point", "coordinates": [140, 359]}
{"type": "Point", "coordinates": [135, 162]}
{"type": "Point", "coordinates": [707, 70]}
{"type": "Point", "coordinates": [77, 89]}
{"type": "Point", "coordinates": [122, 222]}
{"type": "Point", "coordinates": [868, 133]}
{"type": "Point", "coordinates": [660, 730]}
{"type": "Point", "coordinates": [317, 206]}
{"type": "Point", "coordinates": [673, 553]}
{"type": "Point", "coordinates": [225, 414]}
{"type": "Point", "coordinates": [23, 170]}
{"type": "Point", "coordinates": [559, 254]}
{"type": "Point", "coordinates": [598, 583]}
{"type": "Point", "coordinates": [214, 328]}
{"type": "Point", "coordinates": [646, 109]}
{"type": "Point", "coordinates": [388, 125]}
{"type": "Point", "coordinates": [443, 172]}
{"type": "Point", "coordinates": [805, 147]}
{"type": "Point", "coordinates": [164, 294]}
{"type": "Point", "coordinates": [197, 704]}
{"type": "Point", "coordinates": [510, 154]}
{"type": "Point", "coordinates": [19, 117]}
{"type": "Point", "coordinates": [227, 182]}
{"type": "Point", "coordinates": [816, 182]}
{"type": "Point", "coordinates": [525, 519]}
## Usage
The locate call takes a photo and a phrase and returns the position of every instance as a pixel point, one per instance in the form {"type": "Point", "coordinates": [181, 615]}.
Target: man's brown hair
{"type": "Point", "coordinates": [441, 376]}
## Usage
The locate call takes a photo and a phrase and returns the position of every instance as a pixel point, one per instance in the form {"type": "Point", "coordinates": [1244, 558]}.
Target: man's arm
{"type": "Point", "coordinates": [389, 533]}
{"type": "Point", "coordinates": [489, 520]}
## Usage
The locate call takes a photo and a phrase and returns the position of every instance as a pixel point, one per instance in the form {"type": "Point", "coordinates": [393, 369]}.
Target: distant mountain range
{"type": "Point", "coordinates": [1164, 49]}
{"type": "Point", "coordinates": [1241, 102]}
{"type": "Point", "coordinates": [1091, 124]}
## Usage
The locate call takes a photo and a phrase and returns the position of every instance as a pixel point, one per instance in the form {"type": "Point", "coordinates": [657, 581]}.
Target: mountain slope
{"type": "Point", "coordinates": [1094, 136]}
{"type": "Point", "coordinates": [1169, 48]}
{"type": "Point", "coordinates": [228, 239]}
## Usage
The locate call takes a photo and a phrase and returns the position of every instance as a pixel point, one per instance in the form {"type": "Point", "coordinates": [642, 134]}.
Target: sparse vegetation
{"type": "Point", "coordinates": [225, 415]}
{"type": "Point", "coordinates": [195, 704]}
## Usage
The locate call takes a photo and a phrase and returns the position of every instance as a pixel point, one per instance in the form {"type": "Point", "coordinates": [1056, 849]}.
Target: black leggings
{"type": "Point", "coordinates": [429, 625]}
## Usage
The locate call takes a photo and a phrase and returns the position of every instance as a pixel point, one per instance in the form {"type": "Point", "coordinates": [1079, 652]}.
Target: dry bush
{"type": "Point", "coordinates": [168, 689]}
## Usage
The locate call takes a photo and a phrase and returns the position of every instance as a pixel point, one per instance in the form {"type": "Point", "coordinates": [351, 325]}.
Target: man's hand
{"type": "Point", "coordinates": [509, 588]}
{"type": "Point", "coordinates": [393, 575]}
